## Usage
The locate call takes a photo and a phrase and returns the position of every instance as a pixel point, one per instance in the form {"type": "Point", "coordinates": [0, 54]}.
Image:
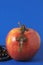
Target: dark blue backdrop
{"type": "Point", "coordinates": [29, 12]}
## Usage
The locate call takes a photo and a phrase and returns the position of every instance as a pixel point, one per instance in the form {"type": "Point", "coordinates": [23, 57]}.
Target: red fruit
{"type": "Point", "coordinates": [22, 43]}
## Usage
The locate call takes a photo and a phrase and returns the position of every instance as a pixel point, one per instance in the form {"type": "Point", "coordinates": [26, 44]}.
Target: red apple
{"type": "Point", "coordinates": [22, 43]}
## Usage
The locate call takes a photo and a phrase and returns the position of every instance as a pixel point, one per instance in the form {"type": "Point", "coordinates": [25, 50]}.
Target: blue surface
{"type": "Point", "coordinates": [29, 12]}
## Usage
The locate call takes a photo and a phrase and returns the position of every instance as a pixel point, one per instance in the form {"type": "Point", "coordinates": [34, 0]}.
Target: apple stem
{"type": "Point", "coordinates": [22, 38]}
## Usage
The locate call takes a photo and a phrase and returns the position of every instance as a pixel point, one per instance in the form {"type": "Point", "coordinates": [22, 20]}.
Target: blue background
{"type": "Point", "coordinates": [29, 12]}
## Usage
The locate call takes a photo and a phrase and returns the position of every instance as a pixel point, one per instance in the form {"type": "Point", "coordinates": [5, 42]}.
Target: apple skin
{"type": "Point", "coordinates": [30, 47]}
